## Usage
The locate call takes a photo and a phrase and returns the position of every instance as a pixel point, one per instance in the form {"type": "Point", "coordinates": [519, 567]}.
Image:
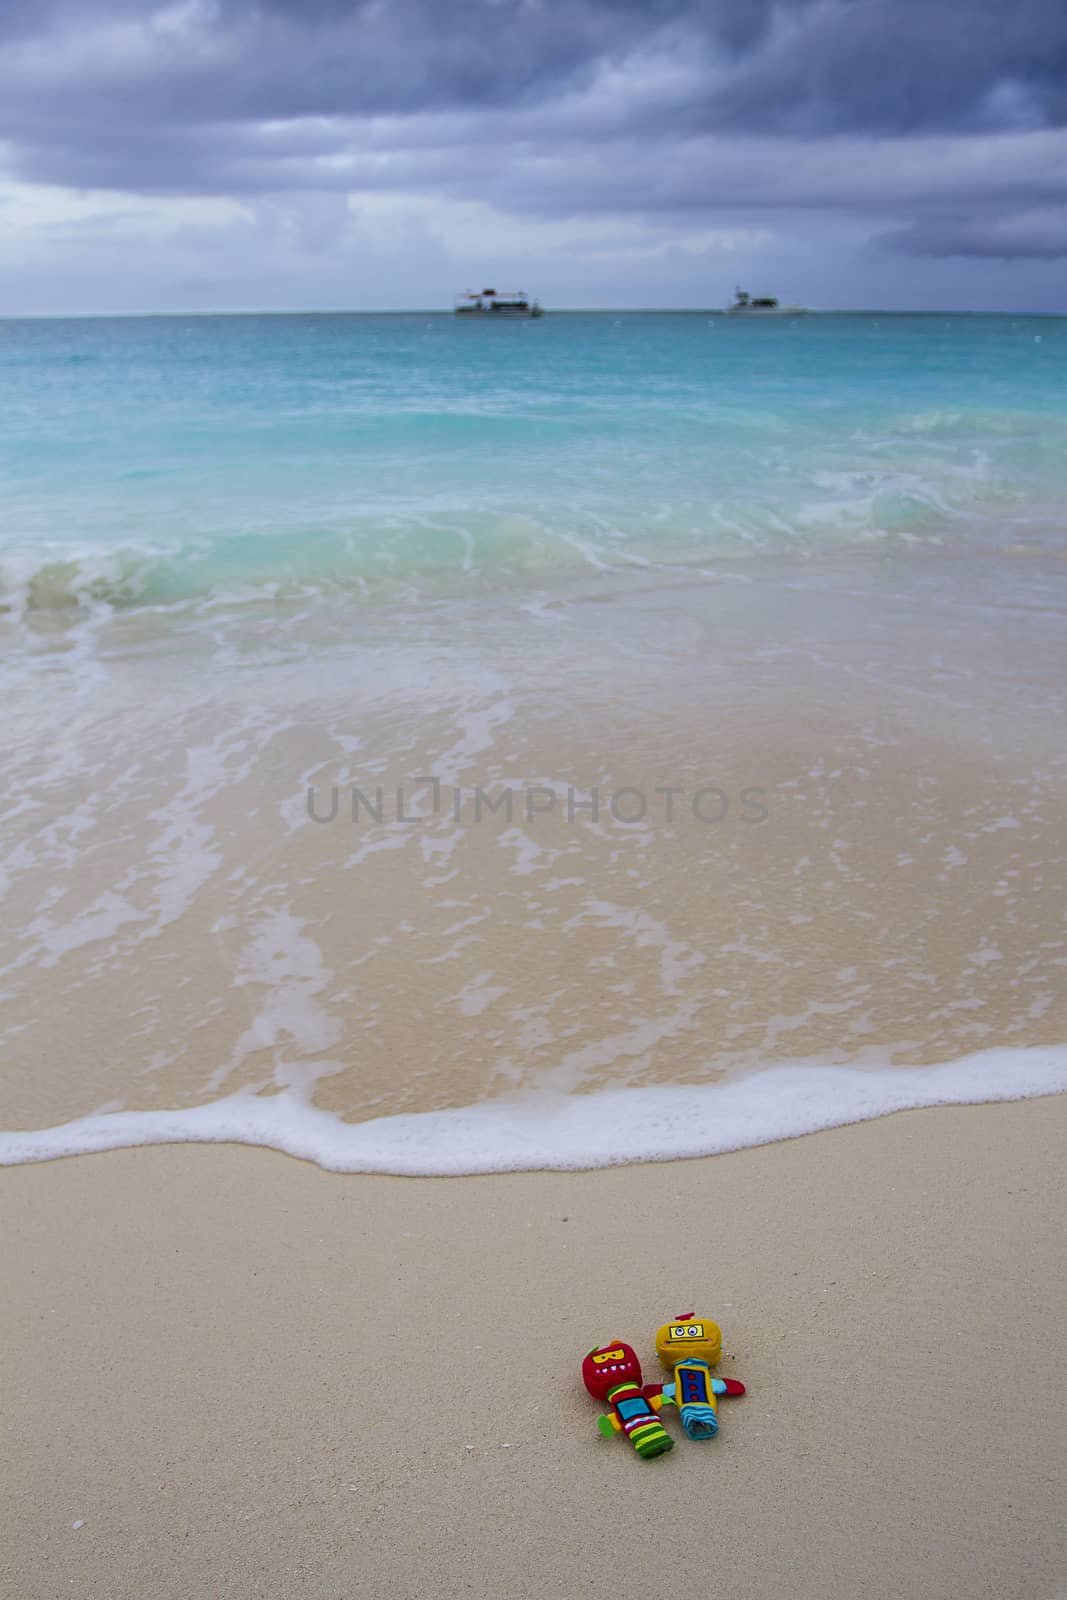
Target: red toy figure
{"type": "Point", "coordinates": [612, 1372]}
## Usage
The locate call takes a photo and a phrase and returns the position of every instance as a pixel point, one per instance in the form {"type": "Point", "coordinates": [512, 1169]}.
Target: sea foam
{"type": "Point", "coordinates": [538, 1131]}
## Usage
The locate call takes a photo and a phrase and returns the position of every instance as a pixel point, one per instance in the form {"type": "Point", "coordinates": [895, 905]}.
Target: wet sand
{"type": "Point", "coordinates": [829, 826]}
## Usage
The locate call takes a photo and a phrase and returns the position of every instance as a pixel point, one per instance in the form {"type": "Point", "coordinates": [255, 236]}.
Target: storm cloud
{"type": "Point", "coordinates": [919, 131]}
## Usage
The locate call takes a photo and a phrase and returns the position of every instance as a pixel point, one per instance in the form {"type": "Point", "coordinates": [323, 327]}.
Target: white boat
{"type": "Point", "coordinates": [747, 305]}
{"type": "Point", "coordinates": [487, 303]}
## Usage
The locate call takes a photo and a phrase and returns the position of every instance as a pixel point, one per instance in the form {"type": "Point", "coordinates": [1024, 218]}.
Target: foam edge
{"type": "Point", "coordinates": [538, 1131]}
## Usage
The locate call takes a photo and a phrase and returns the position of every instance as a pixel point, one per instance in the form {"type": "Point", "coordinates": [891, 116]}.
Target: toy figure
{"type": "Point", "coordinates": [689, 1347]}
{"type": "Point", "coordinates": [612, 1372]}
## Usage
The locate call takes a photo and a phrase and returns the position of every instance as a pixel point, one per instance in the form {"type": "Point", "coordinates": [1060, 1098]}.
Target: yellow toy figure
{"type": "Point", "coordinates": [689, 1347]}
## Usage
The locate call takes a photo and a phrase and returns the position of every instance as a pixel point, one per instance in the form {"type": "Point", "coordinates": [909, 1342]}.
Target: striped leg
{"type": "Point", "coordinates": [651, 1439]}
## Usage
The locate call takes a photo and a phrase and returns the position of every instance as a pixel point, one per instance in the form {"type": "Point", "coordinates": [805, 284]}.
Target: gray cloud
{"type": "Point", "coordinates": [873, 66]}
{"type": "Point", "coordinates": [1034, 234]}
{"type": "Point", "coordinates": [938, 129]}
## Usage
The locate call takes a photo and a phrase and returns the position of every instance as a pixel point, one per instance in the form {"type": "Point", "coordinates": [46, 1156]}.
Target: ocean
{"type": "Point", "coordinates": [437, 745]}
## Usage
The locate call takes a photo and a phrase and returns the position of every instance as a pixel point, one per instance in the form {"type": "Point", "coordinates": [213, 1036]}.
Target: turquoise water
{"type": "Point", "coordinates": [157, 460]}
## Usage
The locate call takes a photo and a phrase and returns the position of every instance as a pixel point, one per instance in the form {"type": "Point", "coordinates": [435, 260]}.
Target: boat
{"type": "Point", "coordinates": [747, 305]}
{"type": "Point", "coordinates": [488, 303]}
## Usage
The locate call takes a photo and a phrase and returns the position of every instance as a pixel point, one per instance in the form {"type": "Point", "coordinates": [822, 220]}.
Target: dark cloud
{"type": "Point", "coordinates": [936, 125]}
{"type": "Point", "coordinates": [905, 67]}
{"type": "Point", "coordinates": [1028, 234]}
{"type": "Point", "coordinates": [874, 66]}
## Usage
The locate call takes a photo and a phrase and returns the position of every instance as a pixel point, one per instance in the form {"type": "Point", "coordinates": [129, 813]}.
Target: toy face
{"type": "Point", "coordinates": [688, 1337]}
{"type": "Point", "coordinates": [608, 1365]}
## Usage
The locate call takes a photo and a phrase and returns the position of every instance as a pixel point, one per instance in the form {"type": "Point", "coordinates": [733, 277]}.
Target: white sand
{"type": "Point", "coordinates": [247, 1378]}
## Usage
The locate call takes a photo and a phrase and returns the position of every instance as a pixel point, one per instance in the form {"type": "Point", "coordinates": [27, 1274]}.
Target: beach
{"type": "Point", "coordinates": [511, 836]}
{"type": "Point", "coordinates": [230, 1372]}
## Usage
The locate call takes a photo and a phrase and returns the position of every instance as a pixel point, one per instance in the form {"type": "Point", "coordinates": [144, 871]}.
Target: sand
{"type": "Point", "coordinates": [232, 1374]}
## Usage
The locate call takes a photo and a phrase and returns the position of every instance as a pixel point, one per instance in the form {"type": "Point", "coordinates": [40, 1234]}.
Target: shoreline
{"type": "Point", "coordinates": [537, 1131]}
{"type": "Point", "coordinates": [903, 893]}
{"type": "Point", "coordinates": [240, 1374]}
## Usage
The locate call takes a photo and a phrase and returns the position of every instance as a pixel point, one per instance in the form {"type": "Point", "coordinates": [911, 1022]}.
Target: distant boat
{"type": "Point", "coordinates": [487, 303]}
{"type": "Point", "coordinates": [747, 305]}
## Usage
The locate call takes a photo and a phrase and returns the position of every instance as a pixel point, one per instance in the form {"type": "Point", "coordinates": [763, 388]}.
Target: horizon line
{"type": "Point", "coordinates": [441, 311]}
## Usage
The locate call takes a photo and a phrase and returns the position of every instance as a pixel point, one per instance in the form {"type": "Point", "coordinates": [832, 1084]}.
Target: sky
{"type": "Point", "coordinates": [385, 154]}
